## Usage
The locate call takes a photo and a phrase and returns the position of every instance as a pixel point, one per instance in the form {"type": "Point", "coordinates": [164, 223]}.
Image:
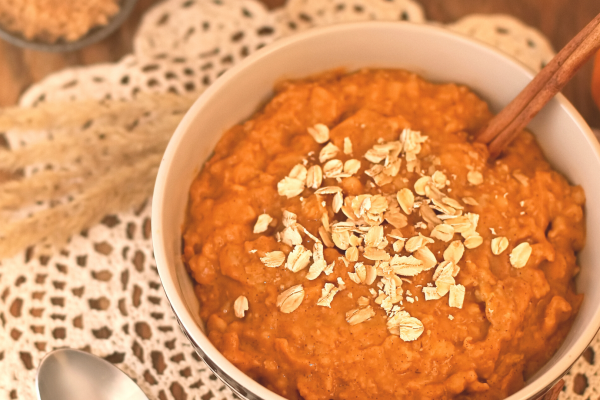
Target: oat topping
{"type": "Point", "coordinates": [273, 259]}
{"type": "Point", "coordinates": [334, 169]}
{"type": "Point", "coordinates": [454, 204]}
{"type": "Point", "coordinates": [347, 146]}
{"type": "Point", "coordinates": [310, 235]}
{"type": "Point", "coordinates": [363, 301]}
{"type": "Point", "coordinates": [262, 223]}
{"type": "Point", "coordinates": [411, 141]}
{"type": "Point", "coordinates": [470, 201]}
{"type": "Point", "coordinates": [314, 177]}
{"type": "Point", "coordinates": [351, 167]}
{"type": "Point", "coordinates": [362, 233]}
{"type": "Point", "coordinates": [431, 293]}
{"type": "Point", "coordinates": [457, 296]}
{"type": "Point", "coordinates": [338, 202]}
{"type": "Point", "coordinates": [444, 282]}
{"type": "Point", "coordinates": [403, 325]}
{"type": "Point", "coordinates": [363, 274]}
{"type": "Point", "coordinates": [454, 252]}
{"type": "Point", "coordinates": [426, 257]}
{"type": "Point", "coordinates": [329, 190]}
{"type": "Point", "coordinates": [521, 178]}
{"type": "Point", "coordinates": [439, 179]}
{"type": "Point", "coordinates": [444, 276]}
{"type": "Point", "coordinates": [240, 306]}
{"type": "Point", "coordinates": [290, 235]}
{"type": "Point", "coordinates": [406, 200]}
{"type": "Point", "coordinates": [359, 315]}
{"type": "Point", "coordinates": [298, 172]}
{"type": "Point", "coordinates": [397, 220]}
{"type": "Point", "coordinates": [319, 263]}
{"type": "Point", "coordinates": [377, 154]}
{"type": "Point", "coordinates": [374, 236]}
{"type": "Point", "coordinates": [289, 219]}
{"type": "Point", "coordinates": [520, 255]}
{"type": "Point", "coordinates": [319, 132]}
{"type": "Point", "coordinates": [406, 266]}
{"type": "Point", "coordinates": [473, 241]}
{"type": "Point", "coordinates": [329, 269]}
{"type": "Point", "coordinates": [352, 253]}
{"type": "Point", "coordinates": [290, 187]}
{"type": "Point", "coordinates": [416, 242]}
{"type": "Point", "coordinates": [429, 215]}
{"type": "Point", "coordinates": [421, 184]}
{"type": "Point", "coordinates": [398, 245]}
{"type": "Point", "coordinates": [341, 239]}
{"type": "Point", "coordinates": [355, 241]}
{"type": "Point", "coordinates": [499, 244]}
{"type": "Point", "coordinates": [475, 178]}
{"type": "Point", "coordinates": [290, 299]}
{"type": "Point", "coordinates": [298, 259]}
{"type": "Point", "coordinates": [328, 152]}
{"type": "Point", "coordinates": [327, 294]}
{"type": "Point", "coordinates": [442, 232]}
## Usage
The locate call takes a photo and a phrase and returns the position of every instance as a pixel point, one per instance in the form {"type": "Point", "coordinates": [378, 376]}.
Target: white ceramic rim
{"type": "Point", "coordinates": [533, 388]}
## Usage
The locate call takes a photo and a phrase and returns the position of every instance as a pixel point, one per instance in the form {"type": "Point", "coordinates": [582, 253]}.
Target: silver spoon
{"type": "Point", "coordinates": [68, 374]}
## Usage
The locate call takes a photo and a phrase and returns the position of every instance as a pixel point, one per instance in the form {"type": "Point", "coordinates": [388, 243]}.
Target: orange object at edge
{"type": "Point", "coordinates": [596, 80]}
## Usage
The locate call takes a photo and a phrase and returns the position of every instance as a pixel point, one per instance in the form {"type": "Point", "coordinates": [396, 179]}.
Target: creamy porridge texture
{"type": "Point", "coordinates": [349, 241]}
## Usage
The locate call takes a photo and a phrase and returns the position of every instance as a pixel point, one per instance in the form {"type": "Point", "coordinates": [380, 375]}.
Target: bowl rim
{"type": "Point", "coordinates": [94, 34]}
{"type": "Point", "coordinates": [535, 388]}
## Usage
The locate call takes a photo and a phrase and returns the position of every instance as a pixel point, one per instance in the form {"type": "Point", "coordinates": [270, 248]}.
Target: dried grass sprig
{"type": "Point", "coordinates": [94, 148]}
{"type": "Point", "coordinates": [120, 188]}
{"type": "Point", "coordinates": [99, 157]}
{"type": "Point", "coordinates": [95, 143]}
{"type": "Point", "coordinates": [78, 114]}
{"type": "Point", "coordinates": [41, 186]}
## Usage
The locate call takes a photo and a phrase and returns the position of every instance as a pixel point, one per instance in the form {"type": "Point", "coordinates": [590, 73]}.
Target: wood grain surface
{"type": "Point", "coordinates": [559, 20]}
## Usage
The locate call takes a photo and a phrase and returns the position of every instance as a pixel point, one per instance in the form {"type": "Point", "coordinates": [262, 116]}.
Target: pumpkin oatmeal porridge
{"type": "Point", "coordinates": [350, 241]}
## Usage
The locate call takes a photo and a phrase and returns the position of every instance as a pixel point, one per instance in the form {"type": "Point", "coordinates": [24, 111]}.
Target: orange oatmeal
{"type": "Point", "coordinates": [350, 241]}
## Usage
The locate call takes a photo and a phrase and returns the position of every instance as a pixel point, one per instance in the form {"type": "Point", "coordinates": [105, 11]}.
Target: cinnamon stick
{"type": "Point", "coordinates": [560, 78]}
{"type": "Point", "coordinates": [582, 44]}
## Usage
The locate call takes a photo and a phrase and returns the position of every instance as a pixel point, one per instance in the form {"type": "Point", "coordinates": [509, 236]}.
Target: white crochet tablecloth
{"type": "Point", "coordinates": [102, 292]}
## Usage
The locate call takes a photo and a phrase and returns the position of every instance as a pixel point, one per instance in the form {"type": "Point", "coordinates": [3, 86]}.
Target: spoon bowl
{"type": "Point", "coordinates": [69, 374]}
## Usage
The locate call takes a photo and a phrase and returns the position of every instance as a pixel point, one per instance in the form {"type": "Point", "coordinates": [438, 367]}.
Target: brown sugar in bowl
{"type": "Point", "coordinates": [29, 30]}
{"type": "Point", "coordinates": [433, 53]}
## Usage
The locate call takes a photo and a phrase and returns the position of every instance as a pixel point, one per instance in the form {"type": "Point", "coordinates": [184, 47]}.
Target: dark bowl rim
{"type": "Point", "coordinates": [94, 34]}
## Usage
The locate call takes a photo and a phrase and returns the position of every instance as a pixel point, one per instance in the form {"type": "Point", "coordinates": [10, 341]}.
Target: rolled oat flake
{"type": "Point", "coordinates": [520, 255]}
{"type": "Point", "coordinates": [240, 306]}
{"type": "Point", "coordinates": [290, 299]}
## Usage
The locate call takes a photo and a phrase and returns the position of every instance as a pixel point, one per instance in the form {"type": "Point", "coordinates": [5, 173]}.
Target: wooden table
{"type": "Point", "coordinates": [559, 20]}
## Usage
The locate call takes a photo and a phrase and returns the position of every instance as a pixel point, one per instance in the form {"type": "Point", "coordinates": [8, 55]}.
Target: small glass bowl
{"type": "Point", "coordinates": [94, 35]}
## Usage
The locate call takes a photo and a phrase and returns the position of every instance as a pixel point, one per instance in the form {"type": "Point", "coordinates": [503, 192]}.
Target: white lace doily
{"type": "Point", "coordinates": [102, 292]}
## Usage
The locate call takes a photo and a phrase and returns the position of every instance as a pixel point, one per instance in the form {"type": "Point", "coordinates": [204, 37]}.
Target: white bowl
{"type": "Point", "coordinates": [434, 53]}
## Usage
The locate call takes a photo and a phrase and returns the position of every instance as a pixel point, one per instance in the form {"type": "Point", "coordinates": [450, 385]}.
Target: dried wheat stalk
{"type": "Point", "coordinates": [121, 187]}
{"type": "Point", "coordinates": [97, 145]}
{"type": "Point", "coordinates": [104, 157]}
{"type": "Point", "coordinates": [78, 114]}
